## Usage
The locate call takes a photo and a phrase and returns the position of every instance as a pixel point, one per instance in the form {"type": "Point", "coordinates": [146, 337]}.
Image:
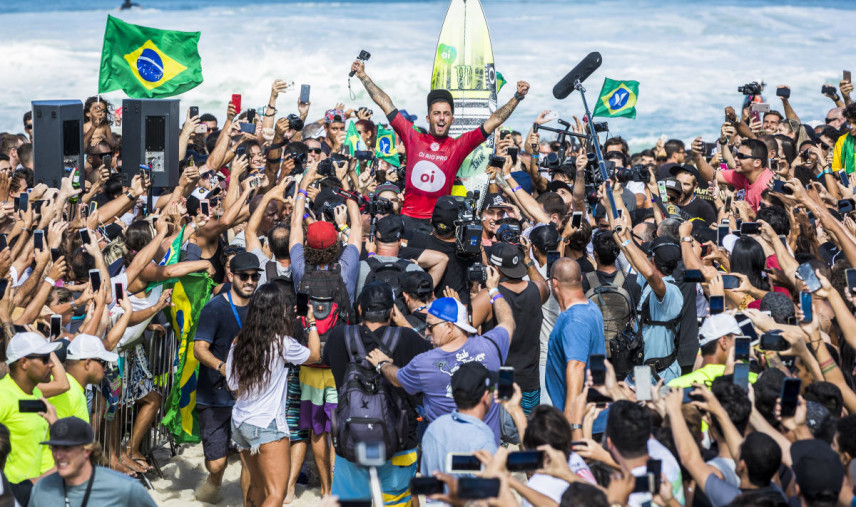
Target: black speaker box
{"type": "Point", "coordinates": [58, 140]}
{"type": "Point", "coordinates": [150, 138]}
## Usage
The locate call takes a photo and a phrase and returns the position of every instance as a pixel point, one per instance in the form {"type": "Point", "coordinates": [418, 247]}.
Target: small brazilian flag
{"type": "Point", "coordinates": [385, 149]}
{"type": "Point", "coordinates": [353, 140]}
{"type": "Point", "coordinates": [617, 99]}
{"type": "Point", "coordinates": [147, 62]}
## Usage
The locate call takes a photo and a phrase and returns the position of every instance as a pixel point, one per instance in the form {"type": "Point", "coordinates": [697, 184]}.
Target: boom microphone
{"type": "Point", "coordinates": [580, 73]}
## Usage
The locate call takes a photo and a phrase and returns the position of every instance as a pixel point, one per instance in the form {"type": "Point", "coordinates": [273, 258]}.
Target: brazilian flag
{"type": "Point", "coordinates": [385, 148]}
{"type": "Point", "coordinates": [189, 294]}
{"type": "Point", "coordinates": [617, 99]}
{"type": "Point", "coordinates": [147, 62]}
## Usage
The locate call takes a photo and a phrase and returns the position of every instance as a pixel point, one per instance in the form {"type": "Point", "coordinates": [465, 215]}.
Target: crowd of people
{"type": "Point", "coordinates": [670, 326]}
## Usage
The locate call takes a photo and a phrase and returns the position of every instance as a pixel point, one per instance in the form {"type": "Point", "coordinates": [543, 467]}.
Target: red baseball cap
{"type": "Point", "coordinates": [320, 235]}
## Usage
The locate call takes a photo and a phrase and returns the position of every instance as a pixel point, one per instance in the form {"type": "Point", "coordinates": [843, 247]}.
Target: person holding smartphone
{"type": "Point", "coordinates": [716, 339]}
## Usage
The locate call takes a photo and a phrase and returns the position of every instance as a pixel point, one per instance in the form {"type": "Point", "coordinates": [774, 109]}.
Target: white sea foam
{"type": "Point", "coordinates": [688, 56]}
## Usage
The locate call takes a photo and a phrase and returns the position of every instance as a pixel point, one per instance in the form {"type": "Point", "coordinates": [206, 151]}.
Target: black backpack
{"type": "Point", "coordinates": [329, 297]}
{"type": "Point", "coordinates": [368, 410]}
{"type": "Point", "coordinates": [284, 283]}
{"type": "Point", "coordinates": [387, 271]}
{"type": "Point", "coordinates": [624, 346]}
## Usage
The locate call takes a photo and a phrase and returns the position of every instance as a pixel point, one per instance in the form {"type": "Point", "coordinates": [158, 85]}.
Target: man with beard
{"type": "Point", "coordinates": [433, 158]}
{"type": "Point", "coordinates": [694, 207]}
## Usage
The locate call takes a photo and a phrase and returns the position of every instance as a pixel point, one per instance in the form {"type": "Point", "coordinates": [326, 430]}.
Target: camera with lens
{"type": "Point", "coordinates": [468, 228]}
{"type": "Point", "coordinates": [753, 88]}
{"type": "Point", "coordinates": [364, 55]}
{"type": "Point", "coordinates": [508, 231]}
{"type": "Point", "coordinates": [294, 122]}
{"type": "Point", "coordinates": [601, 126]}
{"type": "Point", "coordinates": [326, 168]}
{"type": "Point", "coordinates": [476, 273]}
{"type": "Point", "coordinates": [638, 173]}
{"type": "Point", "coordinates": [551, 161]}
{"type": "Point", "coordinates": [379, 206]}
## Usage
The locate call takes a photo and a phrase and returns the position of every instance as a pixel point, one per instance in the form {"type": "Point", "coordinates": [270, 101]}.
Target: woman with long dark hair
{"type": "Point", "coordinates": [257, 371]}
{"type": "Point", "coordinates": [748, 262]}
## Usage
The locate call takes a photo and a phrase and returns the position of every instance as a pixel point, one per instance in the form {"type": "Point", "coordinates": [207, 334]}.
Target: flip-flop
{"type": "Point", "coordinates": [143, 462]}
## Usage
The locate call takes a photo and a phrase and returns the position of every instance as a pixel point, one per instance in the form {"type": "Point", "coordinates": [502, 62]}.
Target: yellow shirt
{"type": "Point", "coordinates": [28, 458]}
{"type": "Point", "coordinates": [71, 402]}
{"type": "Point", "coordinates": [705, 375]}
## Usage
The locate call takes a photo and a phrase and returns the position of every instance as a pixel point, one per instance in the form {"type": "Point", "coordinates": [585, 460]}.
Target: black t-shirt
{"type": "Point", "coordinates": [688, 329]}
{"type": "Point", "coordinates": [456, 270]}
{"type": "Point", "coordinates": [410, 345]}
{"type": "Point", "coordinates": [585, 265]}
{"type": "Point", "coordinates": [630, 284]}
{"type": "Point", "coordinates": [217, 326]}
{"type": "Point", "coordinates": [699, 208]}
{"type": "Point", "coordinates": [524, 353]}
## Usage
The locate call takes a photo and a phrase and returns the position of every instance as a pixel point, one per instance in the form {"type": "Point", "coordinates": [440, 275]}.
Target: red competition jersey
{"type": "Point", "coordinates": [432, 163]}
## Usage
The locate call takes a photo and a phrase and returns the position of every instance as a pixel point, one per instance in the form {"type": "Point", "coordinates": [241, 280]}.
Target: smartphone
{"type": "Point", "coordinates": [850, 272]}
{"type": "Point", "coordinates": [513, 152]}
{"type": "Point", "coordinates": [774, 341]}
{"type": "Point", "coordinates": [552, 256]}
{"type": "Point", "coordinates": [784, 240]}
{"type": "Point", "coordinates": [23, 201]}
{"type": "Point", "coordinates": [845, 205]}
{"type": "Point", "coordinates": [717, 304]}
{"type": "Point", "coordinates": [846, 75]}
{"type": "Point", "coordinates": [31, 406]}
{"type": "Point", "coordinates": [56, 325]}
{"type": "Point", "coordinates": [760, 107]}
{"type": "Point", "coordinates": [304, 94]}
{"type": "Point", "coordinates": [462, 463]}
{"type": "Point", "coordinates": [95, 279]}
{"type": "Point", "coordinates": [475, 488]}
{"type": "Point", "coordinates": [236, 101]}
{"type": "Point", "coordinates": [805, 272]}
{"type": "Point", "coordinates": [642, 378]}
{"type": "Point", "coordinates": [721, 232]}
{"type": "Point", "coordinates": [524, 461]}
{"type": "Point", "coordinates": [249, 128]}
{"type": "Point", "coordinates": [598, 369]}
{"type": "Point", "coordinates": [747, 228]}
{"type": "Point", "coordinates": [505, 385]}
{"type": "Point", "coordinates": [496, 161]}
{"type": "Point", "coordinates": [84, 236]}
{"type": "Point", "coordinates": [789, 396]}
{"type": "Point", "coordinates": [551, 115]}
{"type": "Point", "coordinates": [201, 129]}
{"type": "Point", "coordinates": [39, 239]}
{"type": "Point", "coordinates": [205, 207]}
{"type": "Point", "coordinates": [844, 179]}
{"type": "Point", "coordinates": [661, 188]}
{"type": "Point", "coordinates": [194, 111]}
{"type": "Point", "coordinates": [93, 207]}
{"type": "Point", "coordinates": [425, 485]}
{"type": "Point", "coordinates": [655, 469]}
{"type": "Point", "coordinates": [119, 291]}
{"type": "Point", "coordinates": [779, 186]}
{"type": "Point", "coordinates": [740, 195]}
{"type": "Point", "coordinates": [577, 219]}
{"type": "Point", "coordinates": [693, 275]}
{"type": "Point", "coordinates": [748, 330]}
{"type": "Point", "coordinates": [741, 376]}
{"type": "Point", "coordinates": [689, 397]}
{"type": "Point", "coordinates": [594, 396]}
{"type": "Point", "coordinates": [741, 348]}
{"type": "Point", "coordinates": [783, 92]}
{"type": "Point", "coordinates": [730, 282]}
{"type": "Point", "coordinates": [4, 284]}
{"type": "Point", "coordinates": [805, 306]}
{"type": "Point", "coordinates": [728, 203]}
{"type": "Point", "coordinates": [302, 304]}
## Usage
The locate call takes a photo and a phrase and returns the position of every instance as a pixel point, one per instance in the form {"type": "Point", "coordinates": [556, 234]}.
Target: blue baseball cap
{"type": "Point", "coordinates": [451, 310]}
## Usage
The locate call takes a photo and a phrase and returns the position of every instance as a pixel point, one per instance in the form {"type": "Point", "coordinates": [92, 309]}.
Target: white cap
{"type": "Point", "coordinates": [717, 326]}
{"type": "Point", "coordinates": [86, 346]}
{"type": "Point", "coordinates": [29, 343]}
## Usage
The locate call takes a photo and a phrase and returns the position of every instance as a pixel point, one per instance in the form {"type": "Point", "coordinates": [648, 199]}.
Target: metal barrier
{"type": "Point", "coordinates": [155, 357]}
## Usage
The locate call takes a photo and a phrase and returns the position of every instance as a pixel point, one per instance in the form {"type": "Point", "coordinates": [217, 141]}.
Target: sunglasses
{"type": "Point", "coordinates": [431, 327]}
{"type": "Point", "coordinates": [247, 276]}
{"type": "Point", "coordinates": [29, 126]}
{"type": "Point", "coordinates": [44, 358]}
{"type": "Point", "coordinates": [830, 120]}
{"type": "Point", "coordinates": [206, 175]}
{"type": "Point", "coordinates": [315, 150]}
{"type": "Point", "coordinates": [743, 156]}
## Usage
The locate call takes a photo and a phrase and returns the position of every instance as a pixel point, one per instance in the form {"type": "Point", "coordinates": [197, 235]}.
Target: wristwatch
{"type": "Point", "coordinates": [687, 239]}
{"type": "Point", "coordinates": [519, 97]}
{"type": "Point", "coordinates": [380, 365]}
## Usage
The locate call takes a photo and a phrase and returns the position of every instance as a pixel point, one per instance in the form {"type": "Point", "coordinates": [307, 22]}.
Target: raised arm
{"type": "Point", "coordinates": [378, 96]}
{"type": "Point", "coordinates": [501, 310]}
{"type": "Point", "coordinates": [502, 114]}
{"type": "Point", "coordinates": [786, 105]}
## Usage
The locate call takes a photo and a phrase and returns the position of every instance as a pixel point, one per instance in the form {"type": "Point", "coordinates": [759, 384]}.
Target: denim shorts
{"type": "Point", "coordinates": [250, 437]}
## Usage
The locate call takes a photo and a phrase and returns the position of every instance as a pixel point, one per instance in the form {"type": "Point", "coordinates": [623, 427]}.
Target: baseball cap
{"type": "Point", "coordinates": [28, 343]}
{"type": "Point", "coordinates": [70, 431]}
{"type": "Point", "coordinates": [376, 297]}
{"type": "Point", "coordinates": [334, 116]}
{"type": "Point", "coordinates": [717, 326]}
{"type": "Point", "coordinates": [387, 187]}
{"type": "Point", "coordinates": [494, 200]}
{"type": "Point", "coordinates": [672, 184]}
{"type": "Point", "coordinates": [451, 310]}
{"type": "Point", "coordinates": [508, 259]}
{"type": "Point", "coordinates": [86, 346]}
{"type": "Point", "coordinates": [445, 213]}
{"type": "Point", "coordinates": [677, 168]}
{"type": "Point", "coordinates": [554, 186]}
{"type": "Point", "coordinates": [473, 379]}
{"type": "Point", "coordinates": [817, 467]}
{"type": "Point", "coordinates": [244, 261]}
{"type": "Point", "coordinates": [665, 250]}
{"type": "Point", "coordinates": [441, 96]}
{"type": "Point", "coordinates": [389, 229]}
{"type": "Point", "coordinates": [419, 283]}
{"type": "Point", "coordinates": [410, 117]}
{"type": "Point", "coordinates": [320, 235]}
{"type": "Point", "coordinates": [545, 237]}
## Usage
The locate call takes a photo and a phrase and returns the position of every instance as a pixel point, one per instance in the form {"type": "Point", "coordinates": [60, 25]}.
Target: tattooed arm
{"type": "Point", "coordinates": [378, 96]}
{"type": "Point", "coordinates": [502, 114]}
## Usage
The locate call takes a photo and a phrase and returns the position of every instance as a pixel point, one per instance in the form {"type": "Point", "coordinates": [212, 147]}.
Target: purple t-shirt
{"type": "Point", "coordinates": [430, 373]}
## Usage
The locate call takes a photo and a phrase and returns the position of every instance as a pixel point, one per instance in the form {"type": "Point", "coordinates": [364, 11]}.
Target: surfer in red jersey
{"type": "Point", "coordinates": [433, 159]}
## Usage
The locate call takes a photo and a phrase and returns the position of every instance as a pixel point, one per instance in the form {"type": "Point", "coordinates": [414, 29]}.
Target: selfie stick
{"type": "Point", "coordinates": [596, 142]}
{"type": "Point", "coordinates": [377, 497]}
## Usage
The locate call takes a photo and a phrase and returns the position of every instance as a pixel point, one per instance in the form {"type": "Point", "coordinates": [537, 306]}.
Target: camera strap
{"type": "Point", "coordinates": [88, 489]}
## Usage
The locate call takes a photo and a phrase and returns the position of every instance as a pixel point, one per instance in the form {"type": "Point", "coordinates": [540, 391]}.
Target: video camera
{"type": "Point", "coordinates": [468, 228]}
{"type": "Point", "coordinates": [638, 173]}
{"type": "Point", "coordinates": [377, 206]}
{"type": "Point", "coordinates": [753, 88]}
{"type": "Point", "coordinates": [509, 230]}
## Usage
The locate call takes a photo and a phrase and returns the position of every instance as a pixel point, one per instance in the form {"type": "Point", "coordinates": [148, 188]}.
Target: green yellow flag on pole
{"type": "Point", "coordinates": [385, 146]}
{"type": "Point", "coordinates": [352, 138]}
{"type": "Point", "coordinates": [148, 63]}
{"type": "Point", "coordinates": [617, 99]}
